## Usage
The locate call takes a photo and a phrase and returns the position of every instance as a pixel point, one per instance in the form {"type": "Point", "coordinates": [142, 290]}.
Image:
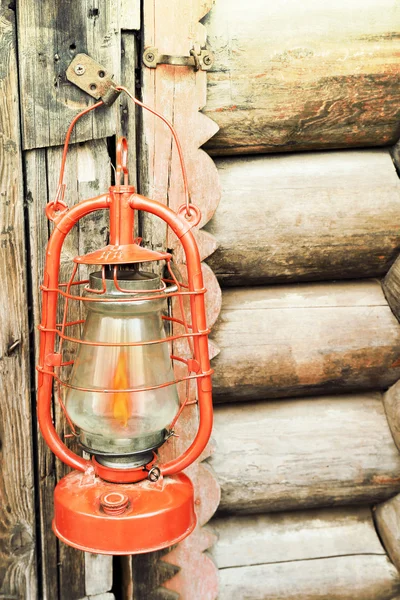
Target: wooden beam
{"type": "Point", "coordinates": [248, 540]}
{"type": "Point", "coordinates": [50, 34]}
{"type": "Point", "coordinates": [282, 341]}
{"type": "Point", "coordinates": [306, 453]}
{"type": "Point", "coordinates": [18, 554]}
{"type": "Point", "coordinates": [363, 577]}
{"type": "Point", "coordinates": [330, 81]}
{"type": "Point", "coordinates": [305, 216]}
{"type": "Point", "coordinates": [303, 555]}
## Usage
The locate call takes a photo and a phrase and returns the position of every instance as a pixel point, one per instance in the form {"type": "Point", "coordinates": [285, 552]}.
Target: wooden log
{"type": "Point", "coordinates": [301, 535]}
{"type": "Point", "coordinates": [391, 402]}
{"type": "Point", "coordinates": [387, 519]}
{"type": "Point", "coordinates": [18, 556]}
{"type": "Point", "coordinates": [343, 578]}
{"type": "Point", "coordinates": [303, 555]}
{"type": "Point", "coordinates": [391, 288]}
{"type": "Point", "coordinates": [49, 36]}
{"type": "Point", "coordinates": [331, 81]}
{"type": "Point", "coordinates": [296, 340]}
{"type": "Point", "coordinates": [326, 215]}
{"type": "Point", "coordinates": [306, 453]}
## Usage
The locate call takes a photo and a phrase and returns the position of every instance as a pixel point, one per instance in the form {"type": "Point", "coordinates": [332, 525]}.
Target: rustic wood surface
{"type": "Point", "coordinates": [302, 75]}
{"type": "Point", "coordinates": [343, 578]}
{"type": "Point", "coordinates": [178, 93]}
{"type": "Point", "coordinates": [305, 216]}
{"type": "Point", "coordinates": [391, 288]}
{"type": "Point", "coordinates": [301, 535]}
{"type": "Point", "coordinates": [98, 573]}
{"type": "Point", "coordinates": [387, 519]}
{"type": "Point", "coordinates": [305, 453]}
{"type": "Point", "coordinates": [391, 402]}
{"type": "Point", "coordinates": [18, 552]}
{"type": "Point", "coordinates": [35, 172]}
{"type": "Point", "coordinates": [50, 34]}
{"type": "Point", "coordinates": [129, 14]}
{"type": "Point", "coordinates": [87, 174]}
{"type": "Point", "coordinates": [290, 340]}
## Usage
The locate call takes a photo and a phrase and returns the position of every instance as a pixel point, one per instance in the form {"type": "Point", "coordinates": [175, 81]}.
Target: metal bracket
{"type": "Point", "coordinates": [92, 78]}
{"type": "Point", "coordinates": [200, 61]}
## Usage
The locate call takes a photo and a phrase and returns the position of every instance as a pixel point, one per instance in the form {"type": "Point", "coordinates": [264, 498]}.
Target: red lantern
{"type": "Point", "coordinates": [120, 394]}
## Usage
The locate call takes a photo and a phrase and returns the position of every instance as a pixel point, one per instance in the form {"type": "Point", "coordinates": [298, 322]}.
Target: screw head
{"type": "Point", "coordinates": [207, 59]}
{"type": "Point", "coordinates": [80, 69]}
{"type": "Point", "coordinates": [150, 56]}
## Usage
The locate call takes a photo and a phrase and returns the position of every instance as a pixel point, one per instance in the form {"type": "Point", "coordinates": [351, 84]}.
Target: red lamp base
{"type": "Point", "coordinates": [114, 518]}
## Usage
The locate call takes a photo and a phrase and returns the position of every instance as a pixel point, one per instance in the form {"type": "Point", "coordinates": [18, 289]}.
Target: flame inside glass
{"type": "Point", "coordinates": [117, 416]}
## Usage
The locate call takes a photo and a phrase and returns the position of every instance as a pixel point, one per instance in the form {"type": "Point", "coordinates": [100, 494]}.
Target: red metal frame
{"type": "Point", "coordinates": [121, 202]}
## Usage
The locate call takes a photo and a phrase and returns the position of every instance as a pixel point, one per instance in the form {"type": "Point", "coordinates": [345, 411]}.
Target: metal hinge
{"type": "Point", "coordinates": [94, 79]}
{"type": "Point", "coordinates": [202, 60]}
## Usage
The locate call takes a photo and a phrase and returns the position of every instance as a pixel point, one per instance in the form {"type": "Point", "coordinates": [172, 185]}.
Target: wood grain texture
{"type": "Point", "coordinates": [391, 288]}
{"type": "Point", "coordinates": [129, 14]}
{"type": "Point", "coordinates": [329, 81]}
{"type": "Point", "coordinates": [301, 535]}
{"type": "Point", "coordinates": [50, 34]}
{"type": "Point", "coordinates": [342, 578]}
{"type": "Point", "coordinates": [387, 519]}
{"type": "Point", "coordinates": [178, 93]}
{"type": "Point", "coordinates": [35, 175]}
{"type": "Point", "coordinates": [391, 402]}
{"type": "Point", "coordinates": [88, 174]}
{"type": "Point", "coordinates": [98, 573]}
{"type": "Point", "coordinates": [305, 216]}
{"type": "Point", "coordinates": [305, 453]}
{"type": "Point", "coordinates": [282, 341]}
{"type": "Point", "coordinates": [18, 574]}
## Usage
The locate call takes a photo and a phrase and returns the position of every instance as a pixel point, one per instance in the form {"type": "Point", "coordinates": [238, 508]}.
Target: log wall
{"type": "Point", "coordinates": [303, 75]}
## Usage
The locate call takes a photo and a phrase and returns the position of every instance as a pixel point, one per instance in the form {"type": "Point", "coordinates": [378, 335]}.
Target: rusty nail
{"type": "Point", "coordinates": [80, 69]}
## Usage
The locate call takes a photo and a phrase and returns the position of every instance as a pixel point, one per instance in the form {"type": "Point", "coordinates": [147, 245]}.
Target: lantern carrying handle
{"type": "Point", "coordinates": [188, 210]}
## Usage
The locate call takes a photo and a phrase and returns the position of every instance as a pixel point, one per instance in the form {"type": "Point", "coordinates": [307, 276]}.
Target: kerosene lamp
{"type": "Point", "coordinates": [119, 393]}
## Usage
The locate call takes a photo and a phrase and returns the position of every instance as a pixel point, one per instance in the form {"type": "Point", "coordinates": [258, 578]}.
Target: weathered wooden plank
{"type": "Point", "coordinates": [290, 340]}
{"type": "Point", "coordinates": [98, 573]}
{"type": "Point", "coordinates": [35, 172]}
{"type": "Point", "coordinates": [301, 535]}
{"type": "Point", "coordinates": [18, 574]}
{"type": "Point", "coordinates": [313, 452]}
{"type": "Point", "coordinates": [178, 93]}
{"type": "Point", "coordinates": [87, 174]}
{"type": "Point", "coordinates": [305, 216]}
{"type": "Point", "coordinates": [127, 110]}
{"type": "Point", "coordinates": [331, 81]}
{"type": "Point", "coordinates": [50, 34]}
{"type": "Point", "coordinates": [343, 578]}
{"type": "Point", "coordinates": [129, 17]}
